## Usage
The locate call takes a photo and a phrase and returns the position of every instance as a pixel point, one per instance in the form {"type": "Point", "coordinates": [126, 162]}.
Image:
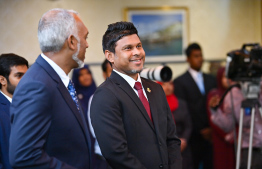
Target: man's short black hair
{"type": "Point", "coordinates": [104, 65]}
{"type": "Point", "coordinates": [9, 60]}
{"type": "Point", "coordinates": [191, 47]}
{"type": "Point", "coordinates": [115, 32]}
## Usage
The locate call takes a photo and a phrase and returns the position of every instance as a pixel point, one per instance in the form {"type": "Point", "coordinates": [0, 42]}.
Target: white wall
{"type": "Point", "coordinates": [218, 25]}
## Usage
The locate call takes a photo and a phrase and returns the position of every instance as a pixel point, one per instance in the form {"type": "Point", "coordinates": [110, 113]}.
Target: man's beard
{"type": "Point", "coordinates": [10, 88]}
{"type": "Point", "coordinates": [76, 59]}
{"type": "Point", "coordinates": [135, 71]}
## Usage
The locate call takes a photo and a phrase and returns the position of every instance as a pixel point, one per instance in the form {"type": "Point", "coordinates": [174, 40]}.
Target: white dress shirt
{"type": "Point", "coordinates": [131, 81]}
{"type": "Point", "coordinates": [65, 79]}
{"type": "Point", "coordinates": [8, 98]}
{"type": "Point", "coordinates": [195, 74]}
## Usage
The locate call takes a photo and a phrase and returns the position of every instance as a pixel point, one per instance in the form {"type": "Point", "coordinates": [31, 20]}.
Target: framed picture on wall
{"type": "Point", "coordinates": [163, 31]}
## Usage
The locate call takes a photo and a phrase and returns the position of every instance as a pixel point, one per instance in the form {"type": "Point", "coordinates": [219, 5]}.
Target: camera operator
{"type": "Point", "coordinates": [227, 117]}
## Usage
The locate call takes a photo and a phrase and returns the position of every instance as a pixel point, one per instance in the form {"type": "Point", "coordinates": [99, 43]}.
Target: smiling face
{"type": "Point", "coordinates": [129, 56]}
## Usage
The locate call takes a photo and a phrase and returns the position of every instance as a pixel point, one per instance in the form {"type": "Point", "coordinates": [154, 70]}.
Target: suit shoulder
{"type": "Point", "coordinates": [151, 83]}
{"type": "Point", "coordinates": [181, 78]}
{"type": "Point", "coordinates": [106, 86]}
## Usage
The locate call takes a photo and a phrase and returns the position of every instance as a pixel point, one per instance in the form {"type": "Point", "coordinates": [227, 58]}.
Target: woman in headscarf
{"type": "Point", "coordinates": [85, 86]}
{"type": "Point", "coordinates": [182, 119]}
{"type": "Point", "coordinates": [223, 143]}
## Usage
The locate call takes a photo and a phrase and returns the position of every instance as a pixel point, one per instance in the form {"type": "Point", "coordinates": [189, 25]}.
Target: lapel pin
{"type": "Point", "coordinates": [148, 90]}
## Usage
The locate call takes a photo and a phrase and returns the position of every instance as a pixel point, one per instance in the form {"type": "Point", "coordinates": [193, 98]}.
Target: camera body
{"type": "Point", "coordinates": [244, 65]}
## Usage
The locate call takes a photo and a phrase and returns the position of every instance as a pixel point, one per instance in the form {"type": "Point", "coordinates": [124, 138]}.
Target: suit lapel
{"type": "Point", "coordinates": [64, 92]}
{"type": "Point", "coordinates": [192, 81]}
{"type": "Point", "coordinates": [5, 104]}
{"type": "Point", "coordinates": [121, 83]}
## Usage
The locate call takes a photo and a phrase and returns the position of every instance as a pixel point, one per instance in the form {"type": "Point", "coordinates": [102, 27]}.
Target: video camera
{"type": "Point", "coordinates": [244, 65]}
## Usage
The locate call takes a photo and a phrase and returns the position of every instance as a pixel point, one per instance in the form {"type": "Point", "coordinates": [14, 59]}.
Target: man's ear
{"type": "Point", "coordinates": [72, 42]}
{"type": "Point", "coordinates": [110, 56]}
{"type": "Point", "coordinates": [187, 59]}
{"type": "Point", "coordinates": [3, 80]}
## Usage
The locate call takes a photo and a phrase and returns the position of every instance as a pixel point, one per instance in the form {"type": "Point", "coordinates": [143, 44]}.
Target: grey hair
{"type": "Point", "coordinates": [55, 26]}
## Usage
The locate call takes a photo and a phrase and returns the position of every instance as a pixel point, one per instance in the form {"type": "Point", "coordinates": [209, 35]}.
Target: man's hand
{"type": "Point", "coordinates": [207, 134]}
{"type": "Point", "coordinates": [183, 144]}
{"type": "Point", "coordinates": [213, 102]}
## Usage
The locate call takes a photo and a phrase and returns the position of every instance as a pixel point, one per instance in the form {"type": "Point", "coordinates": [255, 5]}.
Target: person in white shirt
{"type": "Point", "coordinates": [193, 87]}
{"type": "Point", "coordinates": [12, 69]}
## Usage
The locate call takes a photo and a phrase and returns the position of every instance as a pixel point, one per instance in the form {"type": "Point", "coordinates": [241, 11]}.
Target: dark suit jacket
{"type": "Point", "coordinates": [183, 120]}
{"type": "Point", "coordinates": [47, 130]}
{"type": "Point", "coordinates": [187, 89]}
{"type": "Point", "coordinates": [125, 133]}
{"type": "Point", "coordinates": [4, 132]}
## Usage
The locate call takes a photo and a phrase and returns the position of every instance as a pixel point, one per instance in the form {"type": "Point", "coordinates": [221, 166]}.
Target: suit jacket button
{"type": "Point", "coordinates": [161, 166]}
{"type": "Point", "coordinates": [160, 144]}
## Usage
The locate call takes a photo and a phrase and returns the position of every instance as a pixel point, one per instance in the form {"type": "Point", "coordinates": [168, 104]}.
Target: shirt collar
{"type": "Point", "coordinates": [8, 98]}
{"type": "Point", "coordinates": [194, 73]}
{"type": "Point", "coordinates": [129, 79]}
{"type": "Point", "coordinates": [65, 79]}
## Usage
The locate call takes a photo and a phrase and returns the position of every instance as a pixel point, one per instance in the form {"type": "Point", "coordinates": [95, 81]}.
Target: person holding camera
{"type": "Point", "coordinates": [227, 116]}
{"type": "Point", "coordinates": [223, 142]}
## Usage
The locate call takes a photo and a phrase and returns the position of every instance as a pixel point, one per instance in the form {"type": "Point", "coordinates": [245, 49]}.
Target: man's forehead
{"type": "Point", "coordinates": [129, 40]}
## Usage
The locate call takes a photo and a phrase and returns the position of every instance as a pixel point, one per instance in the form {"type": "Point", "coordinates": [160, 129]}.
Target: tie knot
{"type": "Point", "coordinates": [70, 85]}
{"type": "Point", "coordinates": [138, 86]}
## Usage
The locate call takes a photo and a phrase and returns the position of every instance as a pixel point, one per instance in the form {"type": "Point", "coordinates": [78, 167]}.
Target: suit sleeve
{"type": "Point", "coordinates": [1, 142]}
{"type": "Point", "coordinates": [179, 90]}
{"type": "Point", "coordinates": [31, 112]}
{"type": "Point", "coordinates": [187, 120]}
{"type": "Point", "coordinates": [172, 140]}
{"type": "Point", "coordinates": [106, 118]}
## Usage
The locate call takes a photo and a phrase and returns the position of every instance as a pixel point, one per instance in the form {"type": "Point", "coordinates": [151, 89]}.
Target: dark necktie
{"type": "Point", "coordinates": [72, 92]}
{"type": "Point", "coordinates": [143, 99]}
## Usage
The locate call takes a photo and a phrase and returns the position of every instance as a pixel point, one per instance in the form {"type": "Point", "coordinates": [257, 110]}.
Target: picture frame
{"type": "Point", "coordinates": [163, 32]}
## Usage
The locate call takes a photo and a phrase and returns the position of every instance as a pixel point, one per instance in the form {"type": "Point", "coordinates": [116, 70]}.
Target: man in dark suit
{"type": "Point", "coordinates": [12, 69]}
{"type": "Point", "coordinates": [130, 114]}
{"type": "Point", "coordinates": [193, 87]}
{"type": "Point", "coordinates": [48, 129]}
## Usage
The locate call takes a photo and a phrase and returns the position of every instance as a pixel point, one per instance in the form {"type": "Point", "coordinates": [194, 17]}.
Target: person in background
{"type": "Point", "coordinates": [182, 119]}
{"type": "Point", "coordinates": [99, 160]}
{"type": "Point", "coordinates": [193, 87]}
{"type": "Point", "coordinates": [223, 142]}
{"type": "Point", "coordinates": [85, 85]}
{"type": "Point", "coordinates": [12, 69]}
{"type": "Point", "coordinates": [48, 129]}
{"type": "Point", "coordinates": [106, 68]}
{"type": "Point", "coordinates": [227, 117]}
